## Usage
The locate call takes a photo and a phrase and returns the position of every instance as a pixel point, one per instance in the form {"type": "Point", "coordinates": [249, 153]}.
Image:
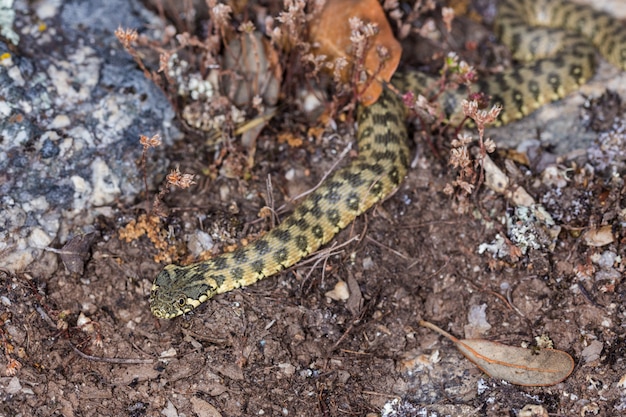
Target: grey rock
{"type": "Point", "coordinates": [72, 106]}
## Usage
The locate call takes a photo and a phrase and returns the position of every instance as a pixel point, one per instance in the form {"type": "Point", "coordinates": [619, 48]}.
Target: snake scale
{"type": "Point", "coordinates": [555, 63]}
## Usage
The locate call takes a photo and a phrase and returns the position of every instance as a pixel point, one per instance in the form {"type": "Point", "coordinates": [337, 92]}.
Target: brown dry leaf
{"type": "Point", "coordinates": [75, 252]}
{"type": "Point", "coordinates": [513, 364]}
{"type": "Point", "coordinates": [599, 237]}
{"type": "Point", "coordinates": [330, 35]}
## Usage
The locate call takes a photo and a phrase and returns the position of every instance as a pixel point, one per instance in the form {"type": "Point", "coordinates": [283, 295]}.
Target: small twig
{"type": "Point", "coordinates": [343, 154]}
{"type": "Point", "coordinates": [380, 394]}
{"type": "Point", "coordinates": [325, 253]}
{"type": "Point", "coordinates": [45, 316]}
{"type": "Point", "coordinates": [507, 301]}
{"type": "Point", "coordinates": [512, 305]}
{"type": "Point", "coordinates": [270, 201]}
{"type": "Point", "coordinates": [344, 335]}
{"type": "Point", "coordinates": [121, 361]}
{"type": "Point", "coordinates": [431, 223]}
{"type": "Point", "coordinates": [322, 256]}
{"type": "Point", "coordinates": [588, 296]}
{"type": "Point", "coordinates": [395, 252]}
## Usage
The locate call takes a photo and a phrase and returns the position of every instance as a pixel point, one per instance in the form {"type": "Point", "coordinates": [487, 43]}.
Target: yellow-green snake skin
{"type": "Point", "coordinates": [557, 63]}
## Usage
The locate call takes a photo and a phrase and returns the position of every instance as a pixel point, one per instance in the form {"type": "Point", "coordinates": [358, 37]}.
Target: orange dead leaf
{"type": "Point", "coordinates": [331, 36]}
{"type": "Point", "coordinates": [516, 365]}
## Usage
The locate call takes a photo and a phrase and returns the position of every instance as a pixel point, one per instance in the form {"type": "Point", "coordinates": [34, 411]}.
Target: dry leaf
{"type": "Point", "coordinates": [599, 237]}
{"type": "Point", "coordinates": [76, 252]}
{"type": "Point", "coordinates": [513, 364]}
{"type": "Point", "coordinates": [330, 36]}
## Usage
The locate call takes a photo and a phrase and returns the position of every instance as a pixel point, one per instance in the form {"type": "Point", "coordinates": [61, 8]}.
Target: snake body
{"type": "Point", "coordinates": [561, 62]}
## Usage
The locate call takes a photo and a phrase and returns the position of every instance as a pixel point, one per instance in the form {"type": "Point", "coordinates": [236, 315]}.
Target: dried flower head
{"type": "Point", "coordinates": [462, 139]}
{"type": "Point", "coordinates": [464, 185]}
{"type": "Point", "coordinates": [490, 145]}
{"type": "Point", "coordinates": [220, 14]}
{"type": "Point", "coordinates": [126, 36]}
{"type": "Point", "coordinates": [360, 32]}
{"type": "Point", "coordinates": [469, 107]}
{"type": "Point", "coordinates": [12, 367]}
{"type": "Point", "coordinates": [178, 179]}
{"type": "Point", "coordinates": [459, 157]}
{"type": "Point", "coordinates": [164, 59]}
{"type": "Point", "coordinates": [152, 142]}
{"type": "Point", "coordinates": [292, 20]}
{"type": "Point", "coordinates": [340, 64]}
{"type": "Point", "coordinates": [247, 27]}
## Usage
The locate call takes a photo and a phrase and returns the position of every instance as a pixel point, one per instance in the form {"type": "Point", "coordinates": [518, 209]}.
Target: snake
{"type": "Point", "coordinates": [555, 42]}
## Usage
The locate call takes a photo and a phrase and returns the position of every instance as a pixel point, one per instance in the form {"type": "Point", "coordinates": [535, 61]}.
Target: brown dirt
{"type": "Point", "coordinates": [281, 347]}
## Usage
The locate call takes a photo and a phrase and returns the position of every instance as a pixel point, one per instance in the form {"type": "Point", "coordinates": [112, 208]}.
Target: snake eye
{"type": "Point", "coordinates": [182, 301]}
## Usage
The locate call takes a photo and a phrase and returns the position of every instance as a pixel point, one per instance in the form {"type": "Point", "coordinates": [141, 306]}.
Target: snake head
{"type": "Point", "coordinates": [178, 290]}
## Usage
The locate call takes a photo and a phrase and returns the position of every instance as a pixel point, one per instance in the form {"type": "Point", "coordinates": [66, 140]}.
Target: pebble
{"type": "Point", "coordinates": [340, 292]}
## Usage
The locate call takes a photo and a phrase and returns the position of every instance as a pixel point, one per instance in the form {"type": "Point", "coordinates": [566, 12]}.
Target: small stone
{"type": "Point", "coordinates": [203, 408]}
{"type": "Point", "coordinates": [287, 368]}
{"type": "Point", "coordinates": [477, 322]}
{"type": "Point", "coordinates": [340, 292]}
{"type": "Point", "coordinates": [60, 122]}
{"type": "Point", "coordinates": [84, 323]}
{"type": "Point", "coordinates": [169, 410]}
{"type": "Point", "coordinates": [607, 259]}
{"type": "Point", "coordinates": [368, 263]}
{"type": "Point", "coordinates": [49, 149]}
{"type": "Point", "coordinates": [599, 237]}
{"type": "Point", "coordinates": [200, 242]}
{"type": "Point", "coordinates": [592, 352]}
{"type": "Point", "coordinates": [533, 410]}
{"type": "Point", "coordinates": [14, 386]}
{"type": "Point", "coordinates": [224, 192]}
{"type": "Point", "coordinates": [39, 239]}
{"type": "Point", "coordinates": [170, 353]}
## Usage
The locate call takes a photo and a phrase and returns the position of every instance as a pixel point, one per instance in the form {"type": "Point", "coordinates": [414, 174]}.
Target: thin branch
{"type": "Point", "coordinates": [395, 252]}
{"type": "Point", "coordinates": [330, 171]}
{"type": "Point", "coordinates": [121, 361]}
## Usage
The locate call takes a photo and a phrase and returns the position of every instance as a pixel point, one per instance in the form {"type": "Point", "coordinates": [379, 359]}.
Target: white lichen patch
{"type": "Point", "coordinates": [7, 17]}
{"type": "Point", "coordinates": [75, 78]}
{"type": "Point", "coordinates": [47, 9]}
{"type": "Point", "coordinates": [112, 116]}
{"type": "Point", "coordinates": [522, 230]}
{"type": "Point", "coordinates": [105, 183]}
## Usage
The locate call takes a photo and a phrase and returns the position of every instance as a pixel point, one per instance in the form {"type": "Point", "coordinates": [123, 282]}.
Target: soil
{"type": "Point", "coordinates": [283, 347]}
